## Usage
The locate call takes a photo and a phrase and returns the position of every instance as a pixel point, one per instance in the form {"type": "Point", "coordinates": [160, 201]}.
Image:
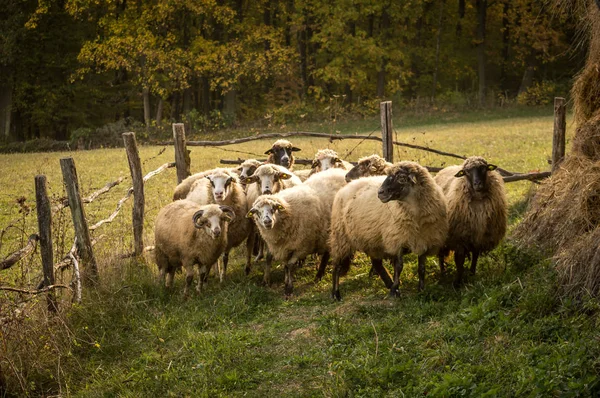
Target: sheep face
{"type": "Point", "coordinates": [369, 166]}
{"type": "Point", "coordinates": [281, 152]}
{"type": "Point", "coordinates": [248, 168]}
{"type": "Point", "coordinates": [475, 170]}
{"type": "Point", "coordinates": [221, 185]}
{"type": "Point", "coordinates": [266, 213]}
{"type": "Point", "coordinates": [266, 177]}
{"type": "Point", "coordinates": [212, 219]}
{"type": "Point", "coordinates": [326, 159]}
{"type": "Point", "coordinates": [398, 185]}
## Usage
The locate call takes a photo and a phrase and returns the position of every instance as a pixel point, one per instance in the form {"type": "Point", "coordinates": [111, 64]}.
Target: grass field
{"type": "Point", "coordinates": [506, 333]}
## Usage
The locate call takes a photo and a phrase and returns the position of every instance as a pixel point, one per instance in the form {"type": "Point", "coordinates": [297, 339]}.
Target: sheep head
{"type": "Point", "coordinates": [325, 159]}
{"type": "Point", "coordinates": [211, 219]}
{"type": "Point", "coordinates": [248, 168]}
{"type": "Point", "coordinates": [368, 166]}
{"type": "Point", "coordinates": [281, 153]}
{"type": "Point", "coordinates": [475, 169]}
{"type": "Point", "coordinates": [266, 211]}
{"type": "Point", "coordinates": [267, 176]}
{"type": "Point", "coordinates": [221, 182]}
{"type": "Point", "coordinates": [401, 181]}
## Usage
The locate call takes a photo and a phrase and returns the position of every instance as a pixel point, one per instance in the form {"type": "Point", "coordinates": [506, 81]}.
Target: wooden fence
{"type": "Point", "coordinates": [81, 252]}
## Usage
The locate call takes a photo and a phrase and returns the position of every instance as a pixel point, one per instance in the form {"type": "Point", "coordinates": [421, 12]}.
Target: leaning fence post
{"type": "Point", "coordinates": [182, 155]}
{"type": "Point", "coordinates": [135, 166]}
{"type": "Point", "coordinates": [560, 127]}
{"type": "Point", "coordinates": [387, 130]}
{"type": "Point", "coordinates": [44, 215]}
{"type": "Point", "coordinates": [82, 233]}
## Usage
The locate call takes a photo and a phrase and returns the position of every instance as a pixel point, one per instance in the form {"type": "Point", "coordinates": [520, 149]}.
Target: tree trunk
{"type": "Point", "coordinates": [205, 95]}
{"type": "Point", "coordinates": [229, 104]}
{"type": "Point", "coordinates": [437, 52]}
{"type": "Point", "coordinates": [187, 100]}
{"type": "Point", "coordinates": [159, 111]}
{"type": "Point", "coordinates": [527, 80]}
{"type": "Point", "coordinates": [481, 19]}
{"type": "Point", "coordinates": [385, 24]}
{"type": "Point", "coordinates": [461, 15]}
{"type": "Point", "coordinates": [5, 111]}
{"type": "Point", "coordinates": [505, 45]}
{"type": "Point", "coordinates": [146, 97]}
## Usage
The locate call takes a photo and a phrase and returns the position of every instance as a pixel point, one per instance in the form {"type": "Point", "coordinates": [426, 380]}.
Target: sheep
{"type": "Point", "coordinates": [247, 168]}
{"type": "Point", "coordinates": [222, 187]}
{"type": "Point", "coordinates": [410, 215]}
{"type": "Point", "coordinates": [267, 179]}
{"type": "Point", "coordinates": [477, 211]}
{"type": "Point", "coordinates": [373, 165]}
{"type": "Point", "coordinates": [183, 188]}
{"type": "Point", "coordinates": [185, 234]}
{"type": "Point", "coordinates": [303, 174]}
{"type": "Point", "coordinates": [295, 222]}
{"type": "Point", "coordinates": [326, 159]}
{"type": "Point", "coordinates": [281, 154]}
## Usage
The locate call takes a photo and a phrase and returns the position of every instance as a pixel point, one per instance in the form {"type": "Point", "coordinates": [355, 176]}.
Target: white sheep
{"type": "Point", "coordinates": [368, 166]}
{"type": "Point", "coordinates": [386, 217]}
{"type": "Point", "coordinates": [247, 168]}
{"type": "Point", "coordinates": [326, 159]}
{"type": "Point", "coordinates": [183, 188]}
{"type": "Point", "coordinates": [295, 222]}
{"type": "Point", "coordinates": [477, 211]}
{"type": "Point", "coordinates": [186, 234]}
{"type": "Point", "coordinates": [222, 187]}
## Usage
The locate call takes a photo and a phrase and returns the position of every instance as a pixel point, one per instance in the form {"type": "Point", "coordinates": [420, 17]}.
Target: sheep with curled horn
{"type": "Point", "coordinates": [267, 179]}
{"type": "Point", "coordinates": [387, 217]}
{"type": "Point", "coordinates": [188, 234]}
{"type": "Point", "coordinates": [282, 153]}
{"type": "Point", "coordinates": [477, 211]}
{"type": "Point", "coordinates": [223, 187]}
{"type": "Point", "coordinates": [368, 166]}
{"type": "Point", "coordinates": [326, 159]}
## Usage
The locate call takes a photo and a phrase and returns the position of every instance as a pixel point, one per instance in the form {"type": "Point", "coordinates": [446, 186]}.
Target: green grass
{"type": "Point", "coordinates": [506, 333]}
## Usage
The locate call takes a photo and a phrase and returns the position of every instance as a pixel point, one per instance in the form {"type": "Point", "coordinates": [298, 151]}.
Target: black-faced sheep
{"type": "Point", "coordinates": [295, 222]}
{"type": "Point", "coordinates": [477, 211]}
{"type": "Point", "coordinates": [185, 234]}
{"type": "Point", "coordinates": [222, 187]}
{"type": "Point", "coordinates": [281, 153]}
{"type": "Point", "coordinates": [368, 166]}
{"type": "Point", "coordinates": [326, 159]}
{"type": "Point", "coordinates": [386, 217]}
{"type": "Point", "coordinates": [267, 179]}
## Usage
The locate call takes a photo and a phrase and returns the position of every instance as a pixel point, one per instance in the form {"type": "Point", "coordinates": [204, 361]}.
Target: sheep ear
{"type": "Point", "coordinates": [315, 164]}
{"type": "Point", "coordinates": [460, 174]}
{"type": "Point", "coordinates": [269, 151]}
{"type": "Point", "coordinates": [251, 213]}
{"type": "Point", "coordinates": [228, 213]}
{"type": "Point", "coordinates": [279, 206]}
{"type": "Point", "coordinates": [294, 149]}
{"type": "Point", "coordinates": [373, 168]}
{"type": "Point", "coordinates": [284, 176]}
{"type": "Point", "coordinates": [413, 178]}
{"type": "Point", "coordinates": [197, 215]}
{"type": "Point", "coordinates": [491, 167]}
{"type": "Point", "coordinates": [250, 180]}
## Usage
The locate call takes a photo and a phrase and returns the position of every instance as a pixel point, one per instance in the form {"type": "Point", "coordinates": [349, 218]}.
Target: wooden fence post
{"type": "Point", "coordinates": [182, 155]}
{"type": "Point", "coordinates": [387, 130]}
{"type": "Point", "coordinates": [135, 166]}
{"type": "Point", "coordinates": [82, 233]}
{"type": "Point", "coordinates": [560, 128]}
{"type": "Point", "coordinates": [44, 215]}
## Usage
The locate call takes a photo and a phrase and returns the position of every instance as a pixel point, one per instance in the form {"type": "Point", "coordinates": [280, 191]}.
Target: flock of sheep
{"type": "Point", "coordinates": [332, 210]}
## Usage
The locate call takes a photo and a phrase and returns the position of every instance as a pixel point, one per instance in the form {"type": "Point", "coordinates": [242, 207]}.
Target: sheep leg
{"type": "Point", "coordinates": [170, 277]}
{"type": "Point", "coordinates": [474, 261]}
{"type": "Point", "coordinates": [442, 265]}
{"type": "Point", "coordinates": [223, 266]}
{"type": "Point", "coordinates": [338, 268]}
{"type": "Point", "coordinates": [249, 247]}
{"type": "Point", "coordinates": [261, 250]}
{"type": "Point", "coordinates": [422, 261]}
{"type": "Point", "coordinates": [189, 278]}
{"type": "Point", "coordinates": [267, 274]}
{"type": "Point", "coordinates": [289, 277]}
{"type": "Point", "coordinates": [398, 266]}
{"type": "Point", "coordinates": [322, 266]}
{"type": "Point", "coordinates": [459, 260]}
{"type": "Point", "coordinates": [161, 277]}
{"type": "Point", "coordinates": [203, 276]}
{"type": "Point", "coordinates": [377, 267]}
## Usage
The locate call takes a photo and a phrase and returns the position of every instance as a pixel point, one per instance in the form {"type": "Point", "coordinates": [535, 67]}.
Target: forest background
{"type": "Point", "coordinates": [85, 70]}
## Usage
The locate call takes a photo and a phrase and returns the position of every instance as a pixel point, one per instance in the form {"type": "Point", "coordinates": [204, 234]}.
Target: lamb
{"type": "Point", "coordinates": [222, 187]}
{"type": "Point", "coordinates": [326, 159]}
{"type": "Point", "coordinates": [477, 211]}
{"type": "Point", "coordinates": [368, 166]}
{"type": "Point", "coordinates": [410, 215]}
{"type": "Point", "coordinates": [185, 234]}
{"type": "Point", "coordinates": [267, 179]}
{"type": "Point", "coordinates": [281, 154]}
{"type": "Point", "coordinates": [295, 222]}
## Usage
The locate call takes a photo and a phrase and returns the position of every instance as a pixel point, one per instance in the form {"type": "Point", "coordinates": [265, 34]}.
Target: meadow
{"type": "Point", "coordinates": [505, 333]}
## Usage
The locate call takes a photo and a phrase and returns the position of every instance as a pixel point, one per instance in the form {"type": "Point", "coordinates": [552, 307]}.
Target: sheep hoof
{"type": "Point", "coordinates": [289, 290]}
{"type": "Point", "coordinates": [394, 292]}
{"type": "Point", "coordinates": [247, 270]}
{"type": "Point", "coordinates": [336, 295]}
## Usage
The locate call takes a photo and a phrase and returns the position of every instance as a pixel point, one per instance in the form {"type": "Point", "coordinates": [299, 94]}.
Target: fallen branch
{"type": "Point", "coordinates": [76, 277]}
{"type": "Point", "coordinates": [38, 291]}
{"type": "Point", "coordinates": [129, 255]}
{"type": "Point", "coordinates": [109, 185]}
{"type": "Point", "coordinates": [528, 176]}
{"type": "Point", "coordinates": [19, 254]}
